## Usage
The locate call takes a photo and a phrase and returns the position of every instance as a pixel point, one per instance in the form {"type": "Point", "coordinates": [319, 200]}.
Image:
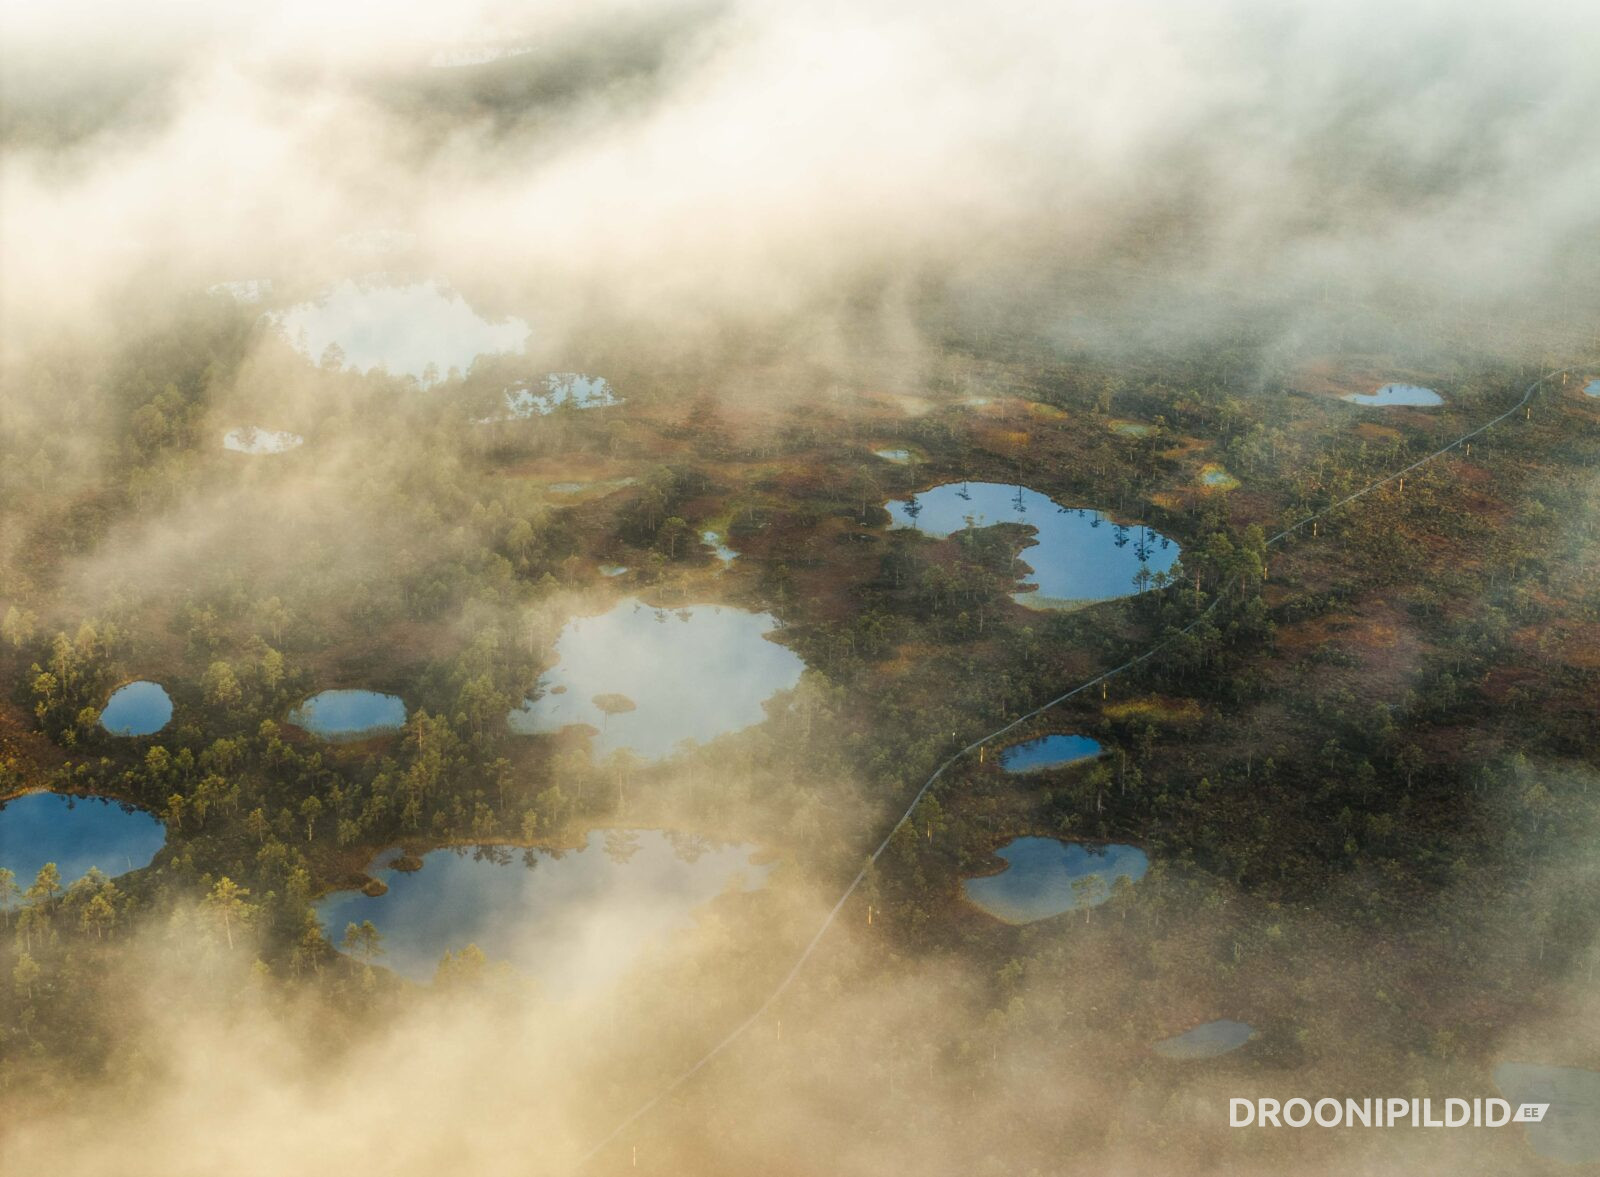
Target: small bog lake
{"type": "Point", "coordinates": [719, 547]}
{"type": "Point", "coordinates": [247, 439]}
{"type": "Point", "coordinates": [1397, 394]}
{"type": "Point", "coordinates": [350, 714]}
{"type": "Point", "coordinates": [571, 389]}
{"type": "Point", "coordinates": [1079, 555]}
{"type": "Point", "coordinates": [1045, 877]}
{"type": "Point", "coordinates": [138, 708]}
{"type": "Point", "coordinates": [75, 833]}
{"type": "Point", "coordinates": [693, 673]}
{"type": "Point", "coordinates": [570, 919]}
{"type": "Point", "coordinates": [464, 56]}
{"type": "Point", "coordinates": [1592, 388]}
{"type": "Point", "coordinates": [1205, 1041]}
{"type": "Point", "coordinates": [1570, 1130]}
{"type": "Point", "coordinates": [422, 329]}
{"type": "Point", "coordinates": [1048, 752]}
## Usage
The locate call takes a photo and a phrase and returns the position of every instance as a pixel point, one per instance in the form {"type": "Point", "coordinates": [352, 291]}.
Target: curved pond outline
{"type": "Point", "coordinates": [1592, 388]}
{"type": "Point", "coordinates": [572, 919]}
{"type": "Point", "coordinates": [421, 329]}
{"type": "Point", "coordinates": [1206, 1041]}
{"type": "Point", "coordinates": [1079, 556]}
{"type": "Point", "coordinates": [138, 708]}
{"type": "Point", "coordinates": [692, 673]}
{"type": "Point", "coordinates": [1045, 877]}
{"type": "Point", "coordinates": [1052, 751]}
{"type": "Point", "coordinates": [345, 715]}
{"type": "Point", "coordinates": [1397, 395]}
{"type": "Point", "coordinates": [76, 833]}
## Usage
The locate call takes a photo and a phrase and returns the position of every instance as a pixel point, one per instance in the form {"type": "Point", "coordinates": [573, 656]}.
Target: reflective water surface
{"type": "Point", "coordinates": [1205, 1041]}
{"type": "Point", "coordinates": [138, 708]}
{"type": "Point", "coordinates": [422, 329]}
{"type": "Point", "coordinates": [1048, 752]}
{"type": "Point", "coordinates": [1045, 877]}
{"type": "Point", "coordinates": [349, 714]}
{"type": "Point", "coordinates": [247, 439]}
{"type": "Point", "coordinates": [571, 919]}
{"type": "Point", "coordinates": [75, 833]}
{"type": "Point", "coordinates": [692, 673]}
{"type": "Point", "coordinates": [1397, 394]}
{"type": "Point", "coordinates": [1079, 556]}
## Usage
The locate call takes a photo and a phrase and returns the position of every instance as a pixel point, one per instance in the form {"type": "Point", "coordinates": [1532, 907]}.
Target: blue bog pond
{"type": "Point", "coordinates": [1045, 877]}
{"type": "Point", "coordinates": [1048, 752]}
{"type": "Point", "coordinates": [570, 919]}
{"type": "Point", "coordinates": [690, 674]}
{"type": "Point", "coordinates": [1205, 1041]}
{"type": "Point", "coordinates": [137, 709]}
{"type": "Point", "coordinates": [350, 715]}
{"type": "Point", "coordinates": [1079, 555]}
{"type": "Point", "coordinates": [75, 833]}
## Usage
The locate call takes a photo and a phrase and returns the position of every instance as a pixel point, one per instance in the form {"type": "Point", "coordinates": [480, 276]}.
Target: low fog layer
{"type": "Point", "coordinates": [649, 187]}
{"type": "Point", "coordinates": [759, 159]}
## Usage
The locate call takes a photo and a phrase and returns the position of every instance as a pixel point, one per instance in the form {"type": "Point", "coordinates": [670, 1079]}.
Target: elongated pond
{"type": "Point", "coordinates": [1592, 388]}
{"type": "Point", "coordinates": [1205, 1041]}
{"type": "Point", "coordinates": [138, 708]}
{"type": "Point", "coordinates": [1079, 555]}
{"type": "Point", "coordinates": [1045, 877]}
{"type": "Point", "coordinates": [349, 714]}
{"type": "Point", "coordinates": [1570, 1129]}
{"type": "Point", "coordinates": [1397, 394]}
{"type": "Point", "coordinates": [422, 329]}
{"type": "Point", "coordinates": [647, 678]}
{"type": "Point", "coordinates": [75, 833]}
{"type": "Point", "coordinates": [1052, 751]}
{"type": "Point", "coordinates": [571, 919]}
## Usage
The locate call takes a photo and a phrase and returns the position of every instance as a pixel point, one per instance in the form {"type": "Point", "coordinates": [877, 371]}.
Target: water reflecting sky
{"type": "Point", "coordinates": [75, 833]}
{"type": "Point", "coordinates": [137, 709]}
{"type": "Point", "coordinates": [573, 920]}
{"type": "Point", "coordinates": [1080, 554]}
{"type": "Point", "coordinates": [403, 329]}
{"type": "Point", "coordinates": [1038, 880]}
{"type": "Point", "coordinates": [697, 672]}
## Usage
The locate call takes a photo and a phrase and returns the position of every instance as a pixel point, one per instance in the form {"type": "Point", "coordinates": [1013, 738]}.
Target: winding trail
{"type": "Point", "coordinates": [1105, 676]}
